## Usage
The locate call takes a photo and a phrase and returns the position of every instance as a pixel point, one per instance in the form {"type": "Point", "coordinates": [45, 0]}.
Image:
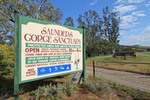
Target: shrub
{"type": "Point", "coordinates": [6, 59]}
{"type": "Point", "coordinates": [98, 86]}
{"type": "Point", "coordinates": [148, 49]}
{"type": "Point", "coordinates": [50, 92]}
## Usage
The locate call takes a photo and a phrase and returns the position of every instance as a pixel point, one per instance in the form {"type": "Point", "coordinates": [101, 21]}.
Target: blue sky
{"type": "Point", "coordinates": [134, 14]}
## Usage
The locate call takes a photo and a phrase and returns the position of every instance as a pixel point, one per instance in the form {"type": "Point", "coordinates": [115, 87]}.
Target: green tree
{"type": "Point", "coordinates": [106, 23]}
{"type": "Point", "coordinates": [114, 33]}
{"type": "Point", "coordinates": [6, 59]}
{"type": "Point", "coordinates": [38, 9]}
{"type": "Point", "coordinates": [91, 22]}
{"type": "Point", "coordinates": [105, 47]}
{"type": "Point", "coordinates": [97, 29]}
{"type": "Point", "coordinates": [111, 22]}
{"type": "Point", "coordinates": [69, 21]}
{"type": "Point", "coordinates": [110, 31]}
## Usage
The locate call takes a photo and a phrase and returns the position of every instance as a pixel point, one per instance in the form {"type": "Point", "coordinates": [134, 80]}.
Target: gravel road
{"type": "Point", "coordinates": [133, 80]}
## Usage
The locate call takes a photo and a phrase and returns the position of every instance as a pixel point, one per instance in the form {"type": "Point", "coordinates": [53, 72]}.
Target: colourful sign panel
{"type": "Point", "coordinates": [48, 49]}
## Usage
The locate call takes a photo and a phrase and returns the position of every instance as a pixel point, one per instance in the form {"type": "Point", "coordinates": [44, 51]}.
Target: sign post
{"type": "Point", "coordinates": [84, 73]}
{"type": "Point", "coordinates": [44, 50]}
{"type": "Point", "coordinates": [17, 52]}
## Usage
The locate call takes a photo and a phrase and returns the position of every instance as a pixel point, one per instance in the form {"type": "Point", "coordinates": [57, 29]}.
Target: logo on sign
{"type": "Point", "coordinates": [53, 69]}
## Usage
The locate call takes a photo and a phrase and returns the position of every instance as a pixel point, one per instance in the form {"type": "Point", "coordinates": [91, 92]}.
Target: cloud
{"type": "Point", "coordinates": [122, 32]}
{"type": "Point", "coordinates": [129, 1]}
{"type": "Point", "coordinates": [128, 18]}
{"type": "Point", "coordinates": [141, 39]}
{"type": "Point", "coordinates": [93, 3]}
{"type": "Point", "coordinates": [133, 30]}
{"type": "Point", "coordinates": [128, 21]}
{"type": "Point", "coordinates": [139, 13]}
{"type": "Point", "coordinates": [148, 4]}
{"type": "Point", "coordinates": [122, 9]}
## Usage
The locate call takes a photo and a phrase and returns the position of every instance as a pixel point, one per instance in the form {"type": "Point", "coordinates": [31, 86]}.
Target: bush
{"type": "Point", "coordinates": [130, 49]}
{"type": "Point", "coordinates": [148, 49]}
{"type": "Point", "coordinates": [6, 59]}
{"type": "Point", "coordinates": [100, 47]}
{"type": "Point", "coordinates": [54, 92]}
{"type": "Point", "coordinates": [98, 86]}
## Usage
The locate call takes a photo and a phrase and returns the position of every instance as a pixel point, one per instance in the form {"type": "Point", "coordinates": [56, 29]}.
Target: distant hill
{"type": "Point", "coordinates": [142, 48]}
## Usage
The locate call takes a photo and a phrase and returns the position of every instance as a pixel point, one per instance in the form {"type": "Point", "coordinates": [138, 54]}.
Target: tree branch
{"type": "Point", "coordinates": [29, 11]}
{"type": "Point", "coordinates": [9, 17]}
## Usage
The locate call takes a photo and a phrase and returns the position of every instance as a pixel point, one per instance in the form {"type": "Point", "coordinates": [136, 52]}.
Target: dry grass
{"type": "Point", "coordinates": [143, 57]}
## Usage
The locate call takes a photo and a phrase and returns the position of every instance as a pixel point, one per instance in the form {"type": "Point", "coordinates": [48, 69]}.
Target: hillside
{"type": "Point", "coordinates": [142, 48]}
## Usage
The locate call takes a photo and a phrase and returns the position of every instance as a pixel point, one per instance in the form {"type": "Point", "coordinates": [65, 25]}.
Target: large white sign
{"type": "Point", "coordinates": [49, 50]}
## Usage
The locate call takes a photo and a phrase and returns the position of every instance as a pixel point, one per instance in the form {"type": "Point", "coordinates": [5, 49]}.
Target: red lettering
{"type": "Point", "coordinates": [32, 50]}
{"type": "Point", "coordinates": [37, 38]}
{"type": "Point", "coordinates": [25, 37]}
{"type": "Point", "coordinates": [34, 38]}
{"type": "Point", "coordinates": [44, 31]}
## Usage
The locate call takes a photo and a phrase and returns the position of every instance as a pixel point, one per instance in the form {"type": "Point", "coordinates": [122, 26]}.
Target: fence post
{"type": "Point", "coordinates": [93, 68]}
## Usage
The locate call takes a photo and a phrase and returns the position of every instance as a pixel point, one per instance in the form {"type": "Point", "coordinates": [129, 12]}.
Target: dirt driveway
{"type": "Point", "coordinates": [133, 80]}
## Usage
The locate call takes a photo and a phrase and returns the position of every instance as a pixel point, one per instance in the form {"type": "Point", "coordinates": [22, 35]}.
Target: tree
{"type": "Point", "coordinates": [97, 29]}
{"type": "Point", "coordinates": [114, 33]}
{"type": "Point", "coordinates": [69, 21]}
{"type": "Point", "coordinates": [37, 9]}
{"type": "Point", "coordinates": [111, 25]}
{"type": "Point", "coordinates": [91, 21]}
{"type": "Point", "coordinates": [6, 59]}
{"type": "Point", "coordinates": [106, 23]}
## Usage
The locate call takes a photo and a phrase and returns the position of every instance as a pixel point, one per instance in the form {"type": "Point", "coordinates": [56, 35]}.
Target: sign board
{"type": "Point", "coordinates": [47, 49]}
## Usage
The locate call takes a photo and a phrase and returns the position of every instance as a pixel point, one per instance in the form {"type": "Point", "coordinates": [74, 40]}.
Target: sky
{"type": "Point", "coordinates": [134, 14]}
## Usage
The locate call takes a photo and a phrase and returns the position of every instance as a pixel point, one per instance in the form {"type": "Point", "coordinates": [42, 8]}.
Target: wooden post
{"type": "Point", "coordinates": [93, 68]}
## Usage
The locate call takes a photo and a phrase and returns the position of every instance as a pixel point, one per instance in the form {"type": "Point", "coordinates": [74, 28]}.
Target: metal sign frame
{"type": "Point", "coordinates": [17, 68]}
